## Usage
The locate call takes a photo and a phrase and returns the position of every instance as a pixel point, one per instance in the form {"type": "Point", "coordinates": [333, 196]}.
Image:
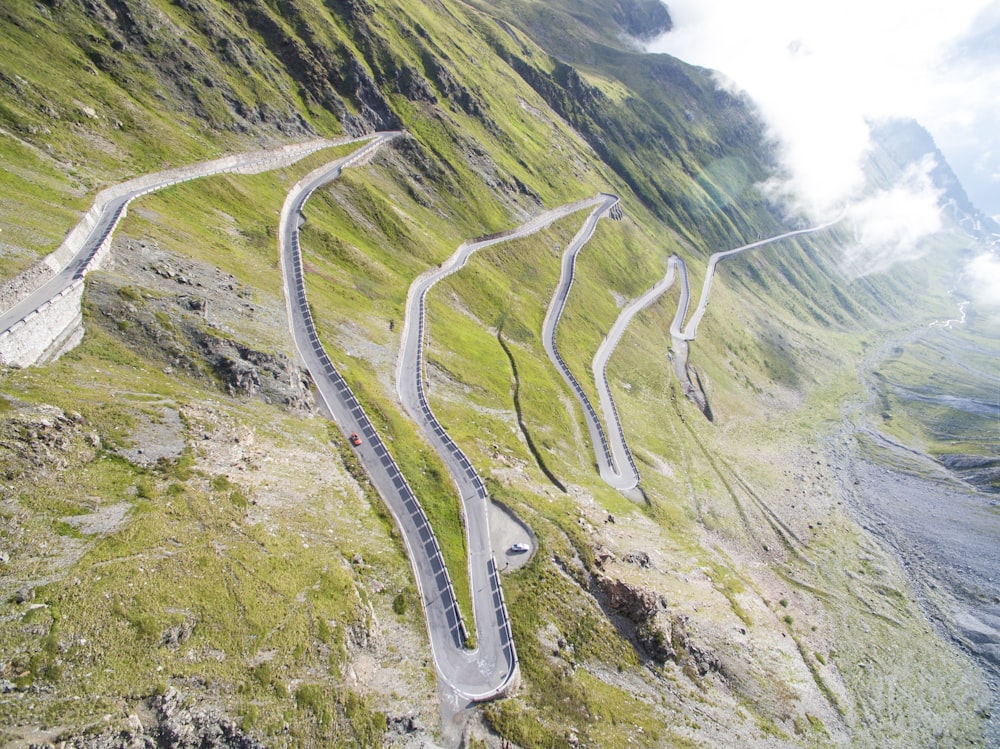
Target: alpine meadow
{"type": "Point", "coordinates": [317, 428]}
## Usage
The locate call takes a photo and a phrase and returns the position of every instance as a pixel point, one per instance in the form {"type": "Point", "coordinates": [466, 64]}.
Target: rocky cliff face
{"type": "Point", "coordinates": [182, 314]}
{"type": "Point", "coordinates": [906, 143]}
{"type": "Point", "coordinates": [170, 720]}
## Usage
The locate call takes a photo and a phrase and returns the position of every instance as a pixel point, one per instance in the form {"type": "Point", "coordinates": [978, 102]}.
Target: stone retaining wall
{"type": "Point", "coordinates": [28, 341]}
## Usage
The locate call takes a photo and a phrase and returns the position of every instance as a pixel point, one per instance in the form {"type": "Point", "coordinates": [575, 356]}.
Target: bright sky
{"type": "Point", "coordinates": [819, 71]}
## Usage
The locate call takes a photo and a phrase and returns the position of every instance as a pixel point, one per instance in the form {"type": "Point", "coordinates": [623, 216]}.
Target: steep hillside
{"type": "Point", "coordinates": [904, 143]}
{"type": "Point", "coordinates": [183, 530]}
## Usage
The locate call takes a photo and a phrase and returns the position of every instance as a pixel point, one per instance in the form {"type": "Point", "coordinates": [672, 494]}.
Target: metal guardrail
{"type": "Point", "coordinates": [618, 422]}
{"type": "Point", "coordinates": [503, 619]}
{"type": "Point", "coordinates": [456, 454]}
{"type": "Point", "coordinates": [615, 213]}
{"type": "Point", "coordinates": [100, 245]}
{"type": "Point", "coordinates": [427, 538]}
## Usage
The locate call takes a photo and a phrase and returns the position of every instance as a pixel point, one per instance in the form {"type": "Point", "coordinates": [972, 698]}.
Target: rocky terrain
{"type": "Point", "coordinates": [190, 315]}
{"type": "Point", "coordinates": [190, 553]}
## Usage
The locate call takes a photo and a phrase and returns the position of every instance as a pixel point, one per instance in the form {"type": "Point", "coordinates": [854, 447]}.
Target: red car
{"type": "Point", "coordinates": [355, 439]}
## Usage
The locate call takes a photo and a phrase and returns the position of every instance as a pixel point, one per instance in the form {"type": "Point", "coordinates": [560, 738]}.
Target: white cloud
{"type": "Point", "coordinates": [889, 225]}
{"type": "Point", "coordinates": [821, 72]}
{"type": "Point", "coordinates": [983, 277]}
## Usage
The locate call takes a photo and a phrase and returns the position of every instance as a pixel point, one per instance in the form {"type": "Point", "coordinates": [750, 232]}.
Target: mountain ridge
{"type": "Point", "coordinates": [658, 622]}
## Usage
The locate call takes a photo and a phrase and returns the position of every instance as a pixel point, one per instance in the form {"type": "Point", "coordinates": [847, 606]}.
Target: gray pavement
{"type": "Point", "coordinates": [87, 242]}
{"type": "Point", "coordinates": [506, 530]}
{"type": "Point", "coordinates": [492, 667]}
{"type": "Point", "coordinates": [466, 675]}
{"type": "Point", "coordinates": [614, 461]}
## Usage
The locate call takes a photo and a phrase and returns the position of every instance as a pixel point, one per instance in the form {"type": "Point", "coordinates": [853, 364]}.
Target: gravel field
{"type": "Point", "coordinates": [947, 538]}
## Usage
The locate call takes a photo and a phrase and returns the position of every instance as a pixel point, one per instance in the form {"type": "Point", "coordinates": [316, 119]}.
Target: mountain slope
{"type": "Point", "coordinates": [177, 515]}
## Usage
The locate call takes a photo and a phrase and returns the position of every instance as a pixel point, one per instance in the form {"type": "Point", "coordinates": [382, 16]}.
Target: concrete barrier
{"type": "Point", "coordinates": [50, 326]}
{"type": "Point", "coordinates": [33, 338]}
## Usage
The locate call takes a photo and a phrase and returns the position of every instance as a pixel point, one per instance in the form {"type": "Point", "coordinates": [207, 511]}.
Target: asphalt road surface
{"type": "Point", "coordinates": [617, 447]}
{"type": "Point", "coordinates": [493, 665]}
{"type": "Point", "coordinates": [470, 675]}
{"type": "Point", "coordinates": [112, 210]}
{"type": "Point", "coordinates": [613, 463]}
{"type": "Point", "coordinates": [489, 669]}
{"type": "Point", "coordinates": [691, 329]}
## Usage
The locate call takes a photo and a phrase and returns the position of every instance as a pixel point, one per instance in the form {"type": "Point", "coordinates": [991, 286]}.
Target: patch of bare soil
{"type": "Point", "coordinates": [155, 437]}
{"type": "Point", "coordinates": [37, 443]}
{"type": "Point", "coordinates": [105, 520]}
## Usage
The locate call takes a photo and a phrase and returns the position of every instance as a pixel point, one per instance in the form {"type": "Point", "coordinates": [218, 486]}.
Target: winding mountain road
{"type": "Point", "coordinates": [492, 667]}
{"type": "Point", "coordinates": [87, 243]}
{"type": "Point", "coordinates": [619, 447]}
{"type": "Point", "coordinates": [494, 660]}
{"type": "Point", "coordinates": [680, 334]}
{"type": "Point", "coordinates": [472, 675]}
{"type": "Point", "coordinates": [691, 329]}
{"type": "Point", "coordinates": [614, 464]}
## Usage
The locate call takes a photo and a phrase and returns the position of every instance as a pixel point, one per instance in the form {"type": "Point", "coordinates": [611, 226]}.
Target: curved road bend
{"type": "Point", "coordinates": [681, 336]}
{"type": "Point", "coordinates": [115, 207]}
{"type": "Point", "coordinates": [691, 329]}
{"type": "Point", "coordinates": [493, 664]}
{"type": "Point", "coordinates": [619, 474]}
{"type": "Point", "coordinates": [619, 447]}
{"type": "Point", "coordinates": [469, 675]}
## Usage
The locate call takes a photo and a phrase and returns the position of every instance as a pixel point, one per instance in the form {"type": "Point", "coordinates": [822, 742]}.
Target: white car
{"type": "Point", "coordinates": [519, 548]}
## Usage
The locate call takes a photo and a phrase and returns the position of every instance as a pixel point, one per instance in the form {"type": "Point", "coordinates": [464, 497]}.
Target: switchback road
{"type": "Point", "coordinates": [614, 465]}
{"type": "Point", "coordinates": [87, 243]}
{"type": "Point", "coordinates": [619, 447]}
{"type": "Point", "coordinates": [493, 665]}
{"type": "Point", "coordinates": [471, 675]}
{"type": "Point", "coordinates": [679, 333]}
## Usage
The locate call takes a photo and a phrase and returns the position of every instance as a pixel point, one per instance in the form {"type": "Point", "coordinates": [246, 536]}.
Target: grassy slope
{"type": "Point", "coordinates": [202, 539]}
{"type": "Point", "coordinates": [916, 384]}
{"type": "Point", "coordinates": [693, 493]}
{"type": "Point", "coordinates": [487, 113]}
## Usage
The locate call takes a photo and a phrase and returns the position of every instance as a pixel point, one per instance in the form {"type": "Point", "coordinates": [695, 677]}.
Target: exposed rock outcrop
{"type": "Point", "coordinates": [182, 313]}
{"type": "Point", "coordinates": [662, 635]}
{"type": "Point", "coordinates": [643, 19]}
{"type": "Point", "coordinates": [171, 723]}
{"type": "Point", "coordinates": [646, 612]}
{"type": "Point", "coordinates": [981, 471]}
{"type": "Point", "coordinates": [41, 438]}
{"type": "Point", "coordinates": [244, 371]}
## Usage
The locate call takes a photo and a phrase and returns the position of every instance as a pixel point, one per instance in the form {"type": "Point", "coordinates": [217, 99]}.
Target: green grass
{"type": "Point", "coordinates": [186, 554]}
{"type": "Point", "coordinates": [227, 222]}
{"type": "Point", "coordinates": [917, 381]}
{"type": "Point", "coordinates": [70, 88]}
{"type": "Point", "coordinates": [492, 142]}
{"type": "Point", "coordinates": [558, 699]}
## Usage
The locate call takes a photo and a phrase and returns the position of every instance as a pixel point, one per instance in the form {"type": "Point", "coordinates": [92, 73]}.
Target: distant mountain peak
{"type": "Point", "coordinates": [643, 19]}
{"type": "Point", "coordinates": [906, 142]}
